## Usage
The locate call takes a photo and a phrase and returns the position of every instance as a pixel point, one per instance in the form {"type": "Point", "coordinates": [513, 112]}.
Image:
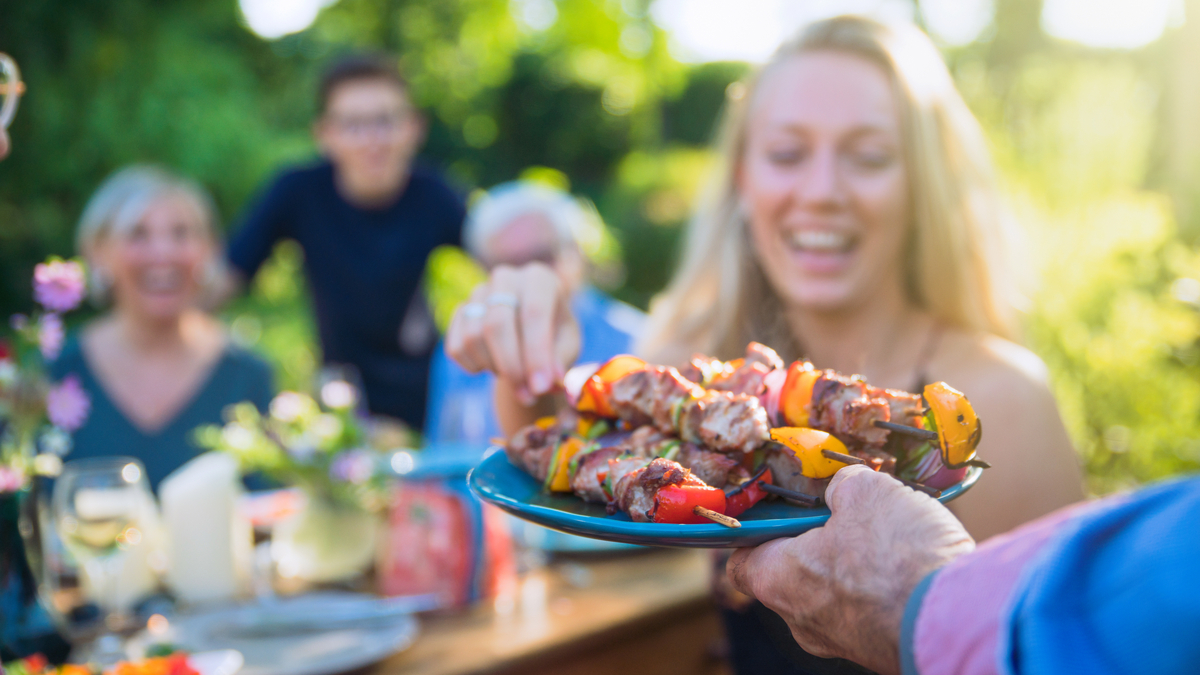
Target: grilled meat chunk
{"type": "Point", "coordinates": [601, 467]}
{"type": "Point", "coordinates": [649, 396]}
{"type": "Point", "coordinates": [748, 378]}
{"type": "Point", "coordinates": [725, 422]}
{"type": "Point", "coordinates": [785, 472]}
{"type": "Point", "coordinates": [740, 376]}
{"type": "Point", "coordinates": [841, 406]}
{"type": "Point", "coordinates": [760, 353]}
{"type": "Point", "coordinates": [634, 492]}
{"type": "Point", "coordinates": [711, 467]}
{"type": "Point", "coordinates": [532, 448]}
{"type": "Point", "coordinates": [588, 479]}
{"type": "Point", "coordinates": [904, 407]}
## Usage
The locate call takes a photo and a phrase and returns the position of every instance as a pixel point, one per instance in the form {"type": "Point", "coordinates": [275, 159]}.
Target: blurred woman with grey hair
{"type": "Point", "coordinates": [156, 365]}
{"type": "Point", "coordinates": [515, 224]}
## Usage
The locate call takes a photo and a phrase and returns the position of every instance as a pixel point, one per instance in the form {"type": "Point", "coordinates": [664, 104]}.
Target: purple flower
{"type": "Point", "coordinates": [67, 404]}
{"type": "Point", "coordinates": [50, 336]}
{"type": "Point", "coordinates": [59, 285]}
{"type": "Point", "coordinates": [355, 466]}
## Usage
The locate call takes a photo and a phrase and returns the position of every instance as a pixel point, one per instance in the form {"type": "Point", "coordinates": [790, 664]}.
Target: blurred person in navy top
{"type": "Point", "coordinates": [366, 219]}
{"type": "Point", "coordinates": [518, 223]}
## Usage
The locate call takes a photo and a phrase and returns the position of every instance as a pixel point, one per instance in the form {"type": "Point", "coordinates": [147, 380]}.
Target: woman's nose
{"type": "Point", "coordinates": [821, 183]}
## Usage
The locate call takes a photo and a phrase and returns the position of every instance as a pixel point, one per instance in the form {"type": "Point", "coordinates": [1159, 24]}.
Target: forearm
{"type": "Point", "coordinates": [954, 619]}
{"type": "Point", "coordinates": [514, 415]}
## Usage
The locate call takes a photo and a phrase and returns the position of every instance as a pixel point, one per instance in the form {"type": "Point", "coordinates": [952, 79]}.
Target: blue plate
{"type": "Point", "coordinates": [498, 482]}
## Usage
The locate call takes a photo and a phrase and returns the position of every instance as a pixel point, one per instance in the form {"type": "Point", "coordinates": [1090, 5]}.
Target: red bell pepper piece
{"type": "Point", "coordinates": [746, 496]}
{"type": "Point", "coordinates": [677, 503]}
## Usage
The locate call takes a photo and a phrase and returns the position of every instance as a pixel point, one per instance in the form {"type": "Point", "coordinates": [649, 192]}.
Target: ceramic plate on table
{"type": "Point", "coordinates": [294, 636]}
{"type": "Point", "coordinates": [219, 662]}
{"type": "Point", "coordinates": [498, 482]}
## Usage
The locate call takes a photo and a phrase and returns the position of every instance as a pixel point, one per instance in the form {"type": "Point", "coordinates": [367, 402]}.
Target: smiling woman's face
{"type": "Point", "coordinates": [823, 181]}
{"type": "Point", "coordinates": [157, 264]}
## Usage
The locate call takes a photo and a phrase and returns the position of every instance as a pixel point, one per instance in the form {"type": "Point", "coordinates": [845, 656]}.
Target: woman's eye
{"type": "Point", "coordinates": [786, 156]}
{"type": "Point", "coordinates": [872, 159]}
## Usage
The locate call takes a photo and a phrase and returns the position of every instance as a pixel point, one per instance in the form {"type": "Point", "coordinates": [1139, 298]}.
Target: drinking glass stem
{"type": "Point", "coordinates": [105, 573]}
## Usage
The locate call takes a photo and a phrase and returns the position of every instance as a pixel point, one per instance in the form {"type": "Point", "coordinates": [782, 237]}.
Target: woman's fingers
{"type": "Point", "coordinates": [538, 310]}
{"type": "Point", "coordinates": [502, 333]}
{"type": "Point", "coordinates": [519, 326]}
{"type": "Point", "coordinates": [465, 342]}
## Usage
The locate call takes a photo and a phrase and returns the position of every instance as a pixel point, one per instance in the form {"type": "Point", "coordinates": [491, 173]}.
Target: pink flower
{"type": "Point", "coordinates": [10, 481]}
{"type": "Point", "coordinates": [59, 285]}
{"type": "Point", "coordinates": [50, 336]}
{"type": "Point", "coordinates": [67, 404]}
{"type": "Point", "coordinates": [355, 466]}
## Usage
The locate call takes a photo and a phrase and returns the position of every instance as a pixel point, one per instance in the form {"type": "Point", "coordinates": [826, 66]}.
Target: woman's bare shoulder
{"type": "Point", "coordinates": [980, 363]}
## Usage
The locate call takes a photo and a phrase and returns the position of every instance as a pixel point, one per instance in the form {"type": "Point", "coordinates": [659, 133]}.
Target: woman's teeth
{"type": "Point", "coordinates": [161, 281]}
{"type": "Point", "coordinates": [820, 241]}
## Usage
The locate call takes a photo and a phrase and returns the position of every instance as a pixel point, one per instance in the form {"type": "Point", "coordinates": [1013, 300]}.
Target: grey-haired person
{"type": "Point", "coordinates": [155, 364]}
{"type": "Point", "coordinates": [515, 224]}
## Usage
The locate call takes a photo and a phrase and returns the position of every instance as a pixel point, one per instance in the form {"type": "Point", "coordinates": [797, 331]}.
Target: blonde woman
{"type": "Point", "coordinates": [156, 365]}
{"type": "Point", "coordinates": [854, 220]}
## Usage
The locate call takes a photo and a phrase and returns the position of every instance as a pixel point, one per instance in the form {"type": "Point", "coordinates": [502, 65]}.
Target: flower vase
{"type": "Point", "coordinates": [325, 541]}
{"type": "Point", "coordinates": [25, 627]}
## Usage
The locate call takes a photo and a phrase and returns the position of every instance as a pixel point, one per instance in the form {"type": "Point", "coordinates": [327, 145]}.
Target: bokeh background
{"type": "Point", "coordinates": [1092, 108]}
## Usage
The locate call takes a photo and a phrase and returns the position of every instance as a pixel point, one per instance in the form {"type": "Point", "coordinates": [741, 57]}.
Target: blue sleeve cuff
{"type": "Point", "coordinates": [908, 626]}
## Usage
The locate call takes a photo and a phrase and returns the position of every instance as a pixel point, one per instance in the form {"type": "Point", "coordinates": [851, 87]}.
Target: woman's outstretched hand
{"type": "Point", "coordinates": [842, 588]}
{"type": "Point", "coordinates": [519, 326]}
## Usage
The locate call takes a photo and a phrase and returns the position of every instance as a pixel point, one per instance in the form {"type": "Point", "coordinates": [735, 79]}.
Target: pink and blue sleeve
{"type": "Point", "coordinates": [1086, 589]}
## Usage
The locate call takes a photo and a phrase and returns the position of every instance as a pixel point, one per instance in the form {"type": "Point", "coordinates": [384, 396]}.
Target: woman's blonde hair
{"type": "Point", "coordinates": [119, 204]}
{"type": "Point", "coordinates": [719, 298]}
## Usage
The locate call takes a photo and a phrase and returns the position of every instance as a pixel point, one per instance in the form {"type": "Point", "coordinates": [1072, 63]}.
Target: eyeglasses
{"type": "Point", "coordinates": [369, 125]}
{"type": "Point", "coordinates": [11, 88]}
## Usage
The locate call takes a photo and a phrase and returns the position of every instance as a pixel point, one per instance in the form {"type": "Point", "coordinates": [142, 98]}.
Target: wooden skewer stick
{"type": "Point", "coordinates": [738, 489]}
{"type": "Point", "coordinates": [718, 518]}
{"type": "Point", "coordinates": [924, 434]}
{"type": "Point", "coordinates": [807, 500]}
{"type": "Point", "coordinates": [842, 457]}
{"type": "Point", "coordinates": [932, 492]}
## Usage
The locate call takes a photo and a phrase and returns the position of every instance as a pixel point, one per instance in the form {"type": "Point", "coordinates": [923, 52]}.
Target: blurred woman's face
{"type": "Point", "coordinates": [158, 265]}
{"type": "Point", "coordinates": [823, 181]}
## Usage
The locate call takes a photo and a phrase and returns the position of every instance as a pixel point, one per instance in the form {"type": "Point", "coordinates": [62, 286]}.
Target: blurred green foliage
{"type": "Point", "coordinates": [1090, 144]}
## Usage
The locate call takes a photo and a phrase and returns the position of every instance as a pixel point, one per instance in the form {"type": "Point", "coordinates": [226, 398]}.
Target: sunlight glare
{"type": "Point", "coordinates": [273, 19]}
{"type": "Point", "coordinates": [751, 30]}
{"type": "Point", "coordinates": [1114, 24]}
{"type": "Point", "coordinates": [957, 22]}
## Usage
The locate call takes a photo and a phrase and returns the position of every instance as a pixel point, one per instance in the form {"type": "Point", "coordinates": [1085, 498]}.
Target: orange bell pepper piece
{"type": "Point", "coordinates": [593, 398]}
{"type": "Point", "coordinates": [795, 397]}
{"type": "Point", "coordinates": [958, 428]}
{"type": "Point", "coordinates": [558, 478]}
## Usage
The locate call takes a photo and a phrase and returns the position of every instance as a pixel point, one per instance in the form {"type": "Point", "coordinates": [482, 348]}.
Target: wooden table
{"type": "Point", "coordinates": [636, 613]}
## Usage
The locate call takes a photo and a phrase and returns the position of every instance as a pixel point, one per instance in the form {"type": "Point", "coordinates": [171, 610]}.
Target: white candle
{"type": "Point", "coordinates": [210, 543]}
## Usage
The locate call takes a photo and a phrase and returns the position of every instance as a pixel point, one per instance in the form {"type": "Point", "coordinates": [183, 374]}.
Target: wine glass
{"type": "Point", "coordinates": [101, 508]}
{"type": "Point", "coordinates": [11, 88]}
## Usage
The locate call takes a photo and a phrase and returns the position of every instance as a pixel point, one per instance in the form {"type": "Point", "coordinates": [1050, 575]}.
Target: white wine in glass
{"type": "Point", "coordinates": [98, 506]}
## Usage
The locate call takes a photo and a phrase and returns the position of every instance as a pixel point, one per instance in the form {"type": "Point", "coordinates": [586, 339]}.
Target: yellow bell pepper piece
{"type": "Point", "coordinates": [546, 422]}
{"type": "Point", "coordinates": [586, 422]}
{"type": "Point", "coordinates": [560, 477]}
{"type": "Point", "coordinates": [959, 429]}
{"type": "Point", "coordinates": [807, 445]}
